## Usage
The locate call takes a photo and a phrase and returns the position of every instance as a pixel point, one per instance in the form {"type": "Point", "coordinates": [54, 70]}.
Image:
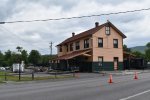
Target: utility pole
{"type": "Point", "coordinates": [51, 46]}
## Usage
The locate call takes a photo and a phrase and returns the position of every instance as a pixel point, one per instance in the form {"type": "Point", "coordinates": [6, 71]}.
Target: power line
{"type": "Point", "coordinates": [66, 18]}
{"type": "Point", "coordinates": [16, 36]}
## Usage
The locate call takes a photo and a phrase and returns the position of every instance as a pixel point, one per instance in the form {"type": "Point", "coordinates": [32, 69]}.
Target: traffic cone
{"type": "Point", "coordinates": [110, 79]}
{"type": "Point", "coordinates": [135, 76]}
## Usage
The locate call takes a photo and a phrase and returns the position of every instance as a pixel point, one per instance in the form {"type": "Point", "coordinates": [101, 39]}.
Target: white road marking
{"type": "Point", "coordinates": [127, 98]}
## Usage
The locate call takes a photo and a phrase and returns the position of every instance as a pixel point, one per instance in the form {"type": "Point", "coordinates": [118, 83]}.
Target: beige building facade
{"type": "Point", "coordinates": [99, 48]}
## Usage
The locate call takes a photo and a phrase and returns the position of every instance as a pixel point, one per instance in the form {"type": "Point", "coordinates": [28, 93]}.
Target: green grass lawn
{"type": "Point", "coordinates": [29, 78]}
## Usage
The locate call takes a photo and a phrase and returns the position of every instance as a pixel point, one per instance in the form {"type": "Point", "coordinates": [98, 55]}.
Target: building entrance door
{"type": "Point", "coordinates": [115, 63]}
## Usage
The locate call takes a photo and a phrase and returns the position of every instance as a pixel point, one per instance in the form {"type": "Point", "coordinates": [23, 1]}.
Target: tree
{"type": "Point", "coordinates": [24, 56]}
{"type": "Point", "coordinates": [125, 48]}
{"type": "Point", "coordinates": [1, 59]}
{"type": "Point", "coordinates": [138, 54]}
{"type": "Point", "coordinates": [19, 48]}
{"type": "Point", "coordinates": [147, 51]}
{"type": "Point", "coordinates": [19, 59]}
{"type": "Point", "coordinates": [7, 58]}
{"type": "Point", "coordinates": [148, 45]}
{"type": "Point", "coordinates": [34, 57]}
{"type": "Point", "coordinates": [15, 57]}
{"type": "Point", "coordinates": [45, 60]}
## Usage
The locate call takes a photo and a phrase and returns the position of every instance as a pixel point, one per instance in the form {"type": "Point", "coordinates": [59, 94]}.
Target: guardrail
{"type": "Point", "coordinates": [8, 75]}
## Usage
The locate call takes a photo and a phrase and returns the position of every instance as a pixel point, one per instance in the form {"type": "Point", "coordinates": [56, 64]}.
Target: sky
{"type": "Point", "coordinates": [38, 35]}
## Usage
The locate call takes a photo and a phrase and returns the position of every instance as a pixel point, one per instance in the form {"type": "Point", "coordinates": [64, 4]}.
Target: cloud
{"type": "Point", "coordinates": [37, 35]}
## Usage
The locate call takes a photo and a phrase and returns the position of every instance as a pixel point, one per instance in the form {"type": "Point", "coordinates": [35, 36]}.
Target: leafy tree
{"type": "Point", "coordinates": [34, 57]}
{"type": "Point", "coordinates": [125, 48]}
{"type": "Point", "coordinates": [15, 58]}
{"type": "Point", "coordinates": [19, 48]}
{"type": "Point", "coordinates": [7, 58]}
{"type": "Point", "coordinates": [24, 55]}
{"type": "Point", "coordinates": [147, 51]}
{"type": "Point", "coordinates": [138, 54]}
{"type": "Point", "coordinates": [148, 45]}
{"type": "Point", "coordinates": [1, 59]}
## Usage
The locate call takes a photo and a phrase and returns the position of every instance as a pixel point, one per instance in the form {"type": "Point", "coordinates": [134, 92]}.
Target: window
{"type": "Point", "coordinates": [107, 30]}
{"type": "Point", "coordinates": [100, 61]}
{"type": "Point", "coordinates": [60, 49]}
{"type": "Point", "coordinates": [67, 48]}
{"type": "Point", "coordinates": [86, 43]}
{"type": "Point", "coordinates": [71, 47]}
{"type": "Point", "coordinates": [115, 42]}
{"type": "Point", "coordinates": [77, 45]}
{"type": "Point", "coordinates": [100, 42]}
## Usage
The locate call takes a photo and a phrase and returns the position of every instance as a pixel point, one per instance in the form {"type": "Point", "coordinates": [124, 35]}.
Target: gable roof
{"type": "Point", "coordinates": [90, 32]}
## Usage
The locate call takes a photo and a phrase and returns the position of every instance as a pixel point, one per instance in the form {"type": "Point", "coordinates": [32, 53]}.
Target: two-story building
{"type": "Point", "coordinates": [96, 49]}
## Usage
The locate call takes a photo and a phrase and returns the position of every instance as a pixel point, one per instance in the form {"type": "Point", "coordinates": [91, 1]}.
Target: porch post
{"type": "Point", "coordinates": [129, 62]}
{"type": "Point", "coordinates": [67, 64]}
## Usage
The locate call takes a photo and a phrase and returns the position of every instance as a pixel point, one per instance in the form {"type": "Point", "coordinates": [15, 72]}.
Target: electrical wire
{"type": "Point", "coordinates": [66, 18]}
{"type": "Point", "coordinates": [16, 36]}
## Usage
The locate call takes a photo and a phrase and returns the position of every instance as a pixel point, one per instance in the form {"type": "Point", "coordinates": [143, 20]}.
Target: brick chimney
{"type": "Point", "coordinates": [96, 24]}
{"type": "Point", "coordinates": [73, 34]}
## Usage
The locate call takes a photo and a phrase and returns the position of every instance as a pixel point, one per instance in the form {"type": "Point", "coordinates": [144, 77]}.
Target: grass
{"type": "Point", "coordinates": [29, 78]}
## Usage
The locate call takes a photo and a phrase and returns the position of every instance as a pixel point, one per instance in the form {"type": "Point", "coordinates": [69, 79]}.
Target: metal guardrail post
{"type": "Point", "coordinates": [19, 73]}
{"type": "Point", "coordinates": [74, 73]}
{"type": "Point", "coordinates": [56, 74]}
{"type": "Point", "coordinates": [32, 75]}
{"type": "Point", "coordinates": [5, 76]}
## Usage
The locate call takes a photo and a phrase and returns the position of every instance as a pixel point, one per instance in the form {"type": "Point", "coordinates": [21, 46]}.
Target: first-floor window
{"type": "Point", "coordinates": [100, 61]}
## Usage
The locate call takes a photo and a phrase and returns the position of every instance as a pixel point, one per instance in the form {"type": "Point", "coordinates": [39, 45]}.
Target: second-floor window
{"type": "Point", "coordinates": [67, 48]}
{"type": "Point", "coordinates": [60, 49]}
{"type": "Point", "coordinates": [107, 30]}
{"type": "Point", "coordinates": [100, 42]}
{"type": "Point", "coordinates": [77, 45]}
{"type": "Point", "coordinates": [86, 43]}
{"type": "Point", "coordinates": [115, 43]}
{"type": "Point", "coordinates": [71, 47]}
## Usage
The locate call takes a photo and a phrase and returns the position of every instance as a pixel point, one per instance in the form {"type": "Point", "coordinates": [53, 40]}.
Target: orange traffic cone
{"type": "Point", "coordinates": [135, 76]}
{"type": "Point", "coordinates": [110, 79]}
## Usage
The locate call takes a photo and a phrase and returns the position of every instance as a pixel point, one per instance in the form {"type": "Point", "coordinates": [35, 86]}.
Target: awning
{"type": "Point", "coordinates": [128, 55]}
{"type": "Point", "coordinates": [74, 54]}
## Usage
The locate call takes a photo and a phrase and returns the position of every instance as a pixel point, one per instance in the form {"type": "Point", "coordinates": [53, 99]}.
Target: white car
{"type": "Point", "coordinates": [2, 68]}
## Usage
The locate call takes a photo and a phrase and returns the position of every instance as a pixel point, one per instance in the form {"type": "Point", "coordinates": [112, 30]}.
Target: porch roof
{"type": "Point", "coordinates": [128, 55]}
{"type": "Point", "coordinates": [74, 54]}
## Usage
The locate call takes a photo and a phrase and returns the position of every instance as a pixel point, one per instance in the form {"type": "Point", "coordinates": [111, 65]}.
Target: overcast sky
{"type": "Point", "coordinates": [37, 35]}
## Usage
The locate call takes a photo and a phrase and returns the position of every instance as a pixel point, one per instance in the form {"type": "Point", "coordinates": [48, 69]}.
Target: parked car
{"type": "Point", "coordinates": [2, 69]}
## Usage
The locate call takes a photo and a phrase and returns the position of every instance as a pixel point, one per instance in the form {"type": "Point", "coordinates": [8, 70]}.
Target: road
{"type": "Point", "coordinates": [93, 88]}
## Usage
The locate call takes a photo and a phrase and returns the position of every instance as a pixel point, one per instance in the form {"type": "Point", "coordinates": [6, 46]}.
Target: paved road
{"type": "Point", "coordinates": [93, 88]}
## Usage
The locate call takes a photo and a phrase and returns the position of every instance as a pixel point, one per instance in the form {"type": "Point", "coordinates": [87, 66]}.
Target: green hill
{"type": "Point", "coordinates": [139, 48]}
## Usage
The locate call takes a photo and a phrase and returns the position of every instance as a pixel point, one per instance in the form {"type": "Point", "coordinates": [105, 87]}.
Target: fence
{"type": "Point", "coordinates": [29, 76]}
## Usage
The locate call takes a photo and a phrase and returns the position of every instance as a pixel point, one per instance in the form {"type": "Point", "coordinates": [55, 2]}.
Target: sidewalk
{"type": "Point", "coordinates": [124, 72]}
